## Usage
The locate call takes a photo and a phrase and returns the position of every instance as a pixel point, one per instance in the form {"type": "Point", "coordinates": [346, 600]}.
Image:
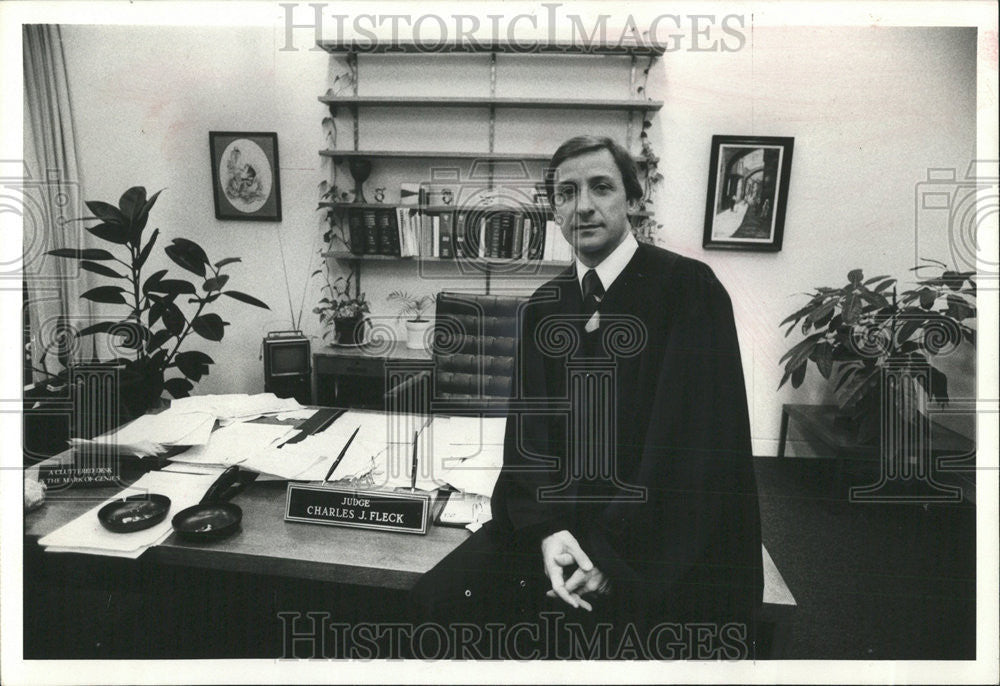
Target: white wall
{"type": "Point", "coordinates": [871, 109]}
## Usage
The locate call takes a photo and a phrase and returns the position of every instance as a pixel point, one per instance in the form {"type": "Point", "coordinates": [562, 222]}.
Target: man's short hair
{"type": "Point", "coordinates": [584, 144]}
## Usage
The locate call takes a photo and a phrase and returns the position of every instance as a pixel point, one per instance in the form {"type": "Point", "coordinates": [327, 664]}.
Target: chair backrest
{"type": "Point", "coordinates": [474, 341]}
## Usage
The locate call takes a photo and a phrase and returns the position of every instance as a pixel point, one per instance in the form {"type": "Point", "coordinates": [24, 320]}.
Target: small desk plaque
{"type": "Point", "coordinates": [338, 506]}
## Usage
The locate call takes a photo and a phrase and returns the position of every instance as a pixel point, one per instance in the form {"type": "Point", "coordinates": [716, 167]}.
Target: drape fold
{"type": "Point", "coordinates": [52, 202]}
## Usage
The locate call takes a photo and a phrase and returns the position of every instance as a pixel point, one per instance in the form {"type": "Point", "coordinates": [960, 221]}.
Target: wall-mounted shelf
{"type": "Point", "coordinates": [354, 103]}
{"type": "Point", "coordinates": [446, 155]}
{"type": "Point", "coordinates": [436, 154]}
{"type": "Point", "coordinates": [346, 255]}
{"type": "Point", "coordinates": [433, 209]}
{"type": "Point", "coordinates": [510, 103]}
{"type": "Point", "coordinates": [527, 46]}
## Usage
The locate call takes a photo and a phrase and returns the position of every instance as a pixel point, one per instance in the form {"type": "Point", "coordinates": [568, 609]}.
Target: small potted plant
{"type": "Point", "coordinates": [343, 309]}
{"type": "Point", "coordinates": [413, 308]}
{"type": "Point", "coordinates": [854, 332]}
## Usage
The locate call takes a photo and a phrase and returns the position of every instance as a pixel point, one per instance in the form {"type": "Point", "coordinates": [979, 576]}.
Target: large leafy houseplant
{"type": "Point", "coordinates": [160, 313]}
{"type": "Point", "coordinates": [852, 333]}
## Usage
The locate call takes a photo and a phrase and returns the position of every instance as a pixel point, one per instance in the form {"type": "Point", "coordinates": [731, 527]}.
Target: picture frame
{"type": "Point", "coordinates": [245, 175]}
{"type": "Point", "coordinates": [747, 192]}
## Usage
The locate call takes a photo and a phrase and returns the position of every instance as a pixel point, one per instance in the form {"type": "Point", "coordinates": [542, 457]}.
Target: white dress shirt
{"type": "Point", "coordinates": [607, 271]}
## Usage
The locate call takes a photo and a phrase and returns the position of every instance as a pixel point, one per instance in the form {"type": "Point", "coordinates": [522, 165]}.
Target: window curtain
{"type": "Point", "coordinates": [51, 205]}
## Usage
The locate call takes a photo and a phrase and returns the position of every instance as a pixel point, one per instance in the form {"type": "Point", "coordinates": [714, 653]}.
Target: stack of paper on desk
{"type": "Point", "coordinates": [86, 535]}
{"type": "Point", "coordinates": [188, 421]}
{"type": "Point", "coordinates": [167, 428]}
{"type": "Point", "coordinates": [235, 406]}
{"type": "Point", "coordinates": [465, 452]}
{"type": "Point", "coordinates": [233, 444]}
{"type": "Point", "coordinates": [470, 511]}
{"type": "Point", "coordinates": [152, 433]}
{"type": "Point", "coordinates": [311, 458]}
{"type": "Point", "coordinates": [469, 451]}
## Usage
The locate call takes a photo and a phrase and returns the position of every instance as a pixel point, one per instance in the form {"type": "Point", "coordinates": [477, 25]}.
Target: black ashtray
{"type": "Point", "coordinates": [135, 513]}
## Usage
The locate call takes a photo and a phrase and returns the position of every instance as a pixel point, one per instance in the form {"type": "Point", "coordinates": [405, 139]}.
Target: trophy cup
{"type": "Point", "coordinates": [361, 169]}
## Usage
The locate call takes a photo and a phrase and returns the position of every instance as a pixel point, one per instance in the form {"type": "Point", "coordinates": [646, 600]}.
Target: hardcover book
{"type": "Point", "coordinates": [536, 237]}
{"type": "Point", "coordinates": [388, 232]}
{"type": "Point", "coordinates": [493, 233]}
{"type": "Point", "coordinates": [506, 234]}
{"type": "Point", "coordinates": [357, 235]}
{"type": "Point", "coordinates": [461, 235]}
{"type": "Point", "coordinates": [517, 245]}
{"type": "Point", "coordinates": [445, 248]}
{"type": "Point", "coordinates": [371, 231]}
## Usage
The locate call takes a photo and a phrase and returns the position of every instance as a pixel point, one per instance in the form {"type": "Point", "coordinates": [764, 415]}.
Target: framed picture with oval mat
{"type": "Point", "coordinates": [245, 184]}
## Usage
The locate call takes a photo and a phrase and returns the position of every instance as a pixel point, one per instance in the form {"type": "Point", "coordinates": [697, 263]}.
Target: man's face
{"type": "Point", "coordinates": [590, 205]}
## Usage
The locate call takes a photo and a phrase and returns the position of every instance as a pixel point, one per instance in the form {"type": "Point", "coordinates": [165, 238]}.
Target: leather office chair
{"type": "Point", "coordinates": [474, 338]}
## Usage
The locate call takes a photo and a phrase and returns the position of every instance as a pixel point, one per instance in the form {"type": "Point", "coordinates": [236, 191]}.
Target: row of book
{"type": "Point", "coordinates": [408, 232]}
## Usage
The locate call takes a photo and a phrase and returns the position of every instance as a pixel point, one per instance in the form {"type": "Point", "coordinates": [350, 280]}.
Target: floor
{"type": "Point", "coordinates": [872, 581]}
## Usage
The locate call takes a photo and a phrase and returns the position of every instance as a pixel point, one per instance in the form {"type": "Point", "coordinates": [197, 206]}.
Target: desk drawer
{"type": "Point", "coordinates": [354, 366]}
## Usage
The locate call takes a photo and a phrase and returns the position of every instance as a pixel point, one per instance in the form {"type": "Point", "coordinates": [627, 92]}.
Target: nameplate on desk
{"type": "Point", "coordinates": [381, 510]}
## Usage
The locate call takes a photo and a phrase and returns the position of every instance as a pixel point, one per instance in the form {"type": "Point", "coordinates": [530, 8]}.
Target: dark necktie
{"type": "Point", "coordinates": [593, 291]}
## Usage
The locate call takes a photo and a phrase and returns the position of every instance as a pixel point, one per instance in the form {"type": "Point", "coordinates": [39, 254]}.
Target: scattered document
{"type": "Point", "coordinates": [151, 434]}
{"type": "Point", "coordinates": [233, 444]}
{"type": "Point", "coordinates": [287, 462]}
{"type": "Point", "coordinates": [304, 413]}
{"type": "Point", "coordinates": [86, 535]}
{"type": "Point", "coordinates": [166, 428]}
{"type": "Point", "coordinates": [468, 452]}
{"type": "Point", "coordinates": [394, 467]}
{"type": "Point", "coordinates": [358, 461]}
{"type": "Point", "coordinates": [104, 446]}
{"type": "Point", "coordinates": [470, 511]}
{"type": "Point", "coordinates": [235, 406]}
{"type": "Point", "coordinates": [461, 438]}
{"type": "Point", "coordinates": [186, 468]}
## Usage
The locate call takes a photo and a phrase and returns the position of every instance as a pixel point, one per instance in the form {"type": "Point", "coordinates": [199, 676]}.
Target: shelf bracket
{"type": "Point", "coordinates": [631, 94]}
{"type": "Point", "coordinates": [493, 94]}
{"type": "Point", "coordinates": [352, 64]}
{"type": "Point", "coordinates": [628, 130]}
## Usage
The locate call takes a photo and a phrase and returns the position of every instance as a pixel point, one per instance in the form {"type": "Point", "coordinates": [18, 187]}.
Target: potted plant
{"type": "Point", "coordinates": [413, 309]}
{"type": "Point", "coordinates": [157, 318]}
{"type": "Point", "coordinates": [853, 332]}
{"type": "Point", "coordinates": [342, 308]}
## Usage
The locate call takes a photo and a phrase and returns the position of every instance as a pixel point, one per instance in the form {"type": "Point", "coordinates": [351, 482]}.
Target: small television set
{"type": "Point", "coordinates": [287, 365]}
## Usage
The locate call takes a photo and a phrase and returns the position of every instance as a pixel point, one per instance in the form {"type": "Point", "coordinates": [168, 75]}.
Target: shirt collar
{"type": "Point", "coordinates": [613, 264]}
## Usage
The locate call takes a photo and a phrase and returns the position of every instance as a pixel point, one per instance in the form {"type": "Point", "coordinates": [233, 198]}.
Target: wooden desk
{"type": "Point", "coordinates": [355, 376]}
{"type": "Point", "coordinates": [267, 547]}
{"type": "Point", "coordinates": [267, 544]}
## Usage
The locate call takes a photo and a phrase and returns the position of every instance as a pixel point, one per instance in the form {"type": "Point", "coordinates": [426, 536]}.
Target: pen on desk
{"type": "Point", "coordinates": [413, 475]}
{"type": "Point", "coordinates": [341, 455]}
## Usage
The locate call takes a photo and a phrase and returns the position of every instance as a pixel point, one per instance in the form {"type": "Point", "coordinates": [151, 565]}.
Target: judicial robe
{"type": "Point", "coordinates": [688, 548]}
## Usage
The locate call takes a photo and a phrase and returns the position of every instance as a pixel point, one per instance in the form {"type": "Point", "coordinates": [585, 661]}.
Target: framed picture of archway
{"type": "Point", "coordinates": [747, 192]}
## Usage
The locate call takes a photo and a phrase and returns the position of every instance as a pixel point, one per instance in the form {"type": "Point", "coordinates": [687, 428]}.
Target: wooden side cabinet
{"type": "Point", "coordinates": [356, 376]}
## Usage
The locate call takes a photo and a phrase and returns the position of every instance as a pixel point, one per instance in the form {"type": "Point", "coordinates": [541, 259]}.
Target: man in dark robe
{"type": "Point", "coordinates": [627, 497]}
